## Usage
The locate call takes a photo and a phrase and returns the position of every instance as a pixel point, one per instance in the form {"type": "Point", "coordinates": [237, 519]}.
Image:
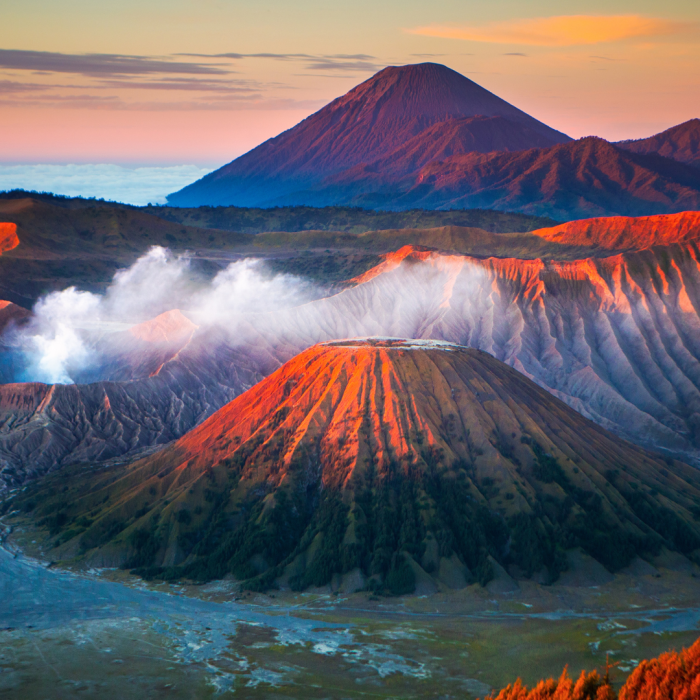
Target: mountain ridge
{"type": "Point", "coordinates": [586, 178]}
{"type": "Point", "coordinates": [625, 233]}
{"type": "Point", "coordinates": [680, 142]}
{"type": "Point", "coordinates": [615, 337]}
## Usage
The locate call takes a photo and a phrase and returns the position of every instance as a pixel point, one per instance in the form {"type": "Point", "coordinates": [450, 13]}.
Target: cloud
{"type": "Point", "coordinates": [515, 53]}
{"type": "Point", "coordinates": [282, 56]}
{"type": "Point", "coordinates": [8, 87]}
{"type": "Point", "coordinates": [342, 62]}
{"type": "Point", "coordinates": [98, 64]}
{"type": "Point", "coordinates": [356, 56]}
{"type": "Point", "coordinates": [239, 56]}
{"type": "Point", "coordinates": [53, 352]}
{"type": "Point", "coordinates": [109, 102]}
{"type": "Point", "coordinates": [226, 103]}
{"type": "Point", "coordinates": [137, 186]}
{"type": "Point", "coordinates": [70, 329]}
{"type": "Point", "coordinates": [203, 82]}
{"type": "Point", "coordinates": [247, 287]}
{"type": "Point", "coordinates": [322, 64]}
{"type": "Point", "coordinates": [187, 84]}
{"type": "Point", "coordinates": [566, 30]}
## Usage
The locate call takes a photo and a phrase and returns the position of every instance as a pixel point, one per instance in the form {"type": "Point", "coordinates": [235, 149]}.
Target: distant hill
{"type": "Point", "coordinates": [50, 242]}
{"type": "Point", "coordinates": [619, 233]}
{"type": "Point", "coordinates": [295, 219]}
{"type": "Point", "coordinates": [251, 220]}
{"type": "Point", "coordinates": [368, 123]}
{"type": "Point", "coordinates": [580, 179]}
{"type": "Point", "coordinates": [389, 462]}
{"type": "Point", "coordinates": [681, 142]}
{"type": "Point", "coordinates": [58, 242]}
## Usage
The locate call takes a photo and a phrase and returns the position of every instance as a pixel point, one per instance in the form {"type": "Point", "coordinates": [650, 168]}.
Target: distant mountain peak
{"type": "Point", "coordinates": [367, 123]}
{"type": "Point", "coordinates": [680, 142]}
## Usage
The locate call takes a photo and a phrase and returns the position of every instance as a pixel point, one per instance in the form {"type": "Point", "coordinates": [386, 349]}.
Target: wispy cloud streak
{"type": "Point", "coordinates": [98, 64]}
{"type": "Point", "coordinates": [565, 30]}
{"type": "Point", "coordinates": [357, 62]}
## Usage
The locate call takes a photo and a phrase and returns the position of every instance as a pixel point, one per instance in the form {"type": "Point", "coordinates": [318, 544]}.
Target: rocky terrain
{"type": "Point", "coordinates": [623, 233]}
{"type": "Point", "coordinates": [145, 396]}
{"type": "Point", "coordinates": [614, 336]}
{"type": "Point", "coordinates": [51, 243]}
{"type": "Point", "coordinates": [381, 460]}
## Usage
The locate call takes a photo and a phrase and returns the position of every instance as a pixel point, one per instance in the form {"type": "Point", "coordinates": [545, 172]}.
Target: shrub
{"type": "Point", "coordinates": [671, 676]}
{"type": "Point", "coordinates": [589, 686]}
{"type": "Point", "coordinates": [401, 579]}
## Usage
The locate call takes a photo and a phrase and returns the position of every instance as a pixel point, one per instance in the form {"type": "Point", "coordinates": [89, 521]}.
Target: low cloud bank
{"type": "Point", "coordinates": [61, 337]}
{"type": "Point", "coordinates": [137, 186]}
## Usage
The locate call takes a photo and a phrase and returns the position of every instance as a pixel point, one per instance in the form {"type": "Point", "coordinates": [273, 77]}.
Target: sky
{"type": "Point", "coordinates": [168, 83]}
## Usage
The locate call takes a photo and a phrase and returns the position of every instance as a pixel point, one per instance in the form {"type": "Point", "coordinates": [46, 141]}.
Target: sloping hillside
{"type": "Point", "coordinates": [385, 459]}
{"type": "Point", "coordinates": [681, 142]}
{"type": "Point", "coordinates": [580, 179]}
{"type": "Point", "coordinates": [366, 124]}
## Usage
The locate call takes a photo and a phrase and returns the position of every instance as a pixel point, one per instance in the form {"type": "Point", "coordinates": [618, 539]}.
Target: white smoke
{"type": "Point", "coordinates": [60, 339]}
{"type": "Point", "coordinates": [156, 282]}
{"type": "Point", "coordinates": [245, 287]}
{"type": "Point", "coordinates": [54, 343]}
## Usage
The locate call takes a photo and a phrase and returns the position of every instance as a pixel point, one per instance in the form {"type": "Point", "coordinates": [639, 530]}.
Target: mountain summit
{"type": "Point", "coordinates": [680, 142]}
{"type": "Point", "coordinates": [368, 123]}
{"type": "Point", "coordinates": [384, 461]}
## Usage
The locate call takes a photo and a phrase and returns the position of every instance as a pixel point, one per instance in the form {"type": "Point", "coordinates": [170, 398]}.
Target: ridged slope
{"type": "Point", "coordinates": [366, 124]}
{"type": "Point", "coordinates": [154, 395]}
{"type": "Point", "coordinates": [8, 237]}
{"type": "Point", "coordinates": [681, 142]}
{"type": "Point", "coordinates": [580, 179]}
{"type": "Point", "coordinates": [626, 233]}
{"type": "Point", "coordinates": [450, 138]}
{"type": "Point", "coordinates": [384, 458]}
{"type": "Point", "coordinates": [618, 338]}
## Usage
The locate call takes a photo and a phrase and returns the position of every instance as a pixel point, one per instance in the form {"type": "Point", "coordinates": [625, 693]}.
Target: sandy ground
{"type": "Point", "coordinates": [104, 634]}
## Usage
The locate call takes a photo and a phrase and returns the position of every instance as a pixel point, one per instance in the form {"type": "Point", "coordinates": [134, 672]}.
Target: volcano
{"type": "Point", "coordinates": [382, 461]}
{"type": "Point", "coordinates": [603, 313]}
{"type": "Point", "coordinates": [366, 124]}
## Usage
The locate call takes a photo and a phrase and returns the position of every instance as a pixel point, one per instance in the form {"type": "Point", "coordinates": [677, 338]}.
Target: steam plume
{"type": "Point", "coordinates": [60, 338]}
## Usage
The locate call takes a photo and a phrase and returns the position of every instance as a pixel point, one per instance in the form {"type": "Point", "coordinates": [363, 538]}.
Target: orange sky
{"type": "Point", "coordinates": [156, 82]}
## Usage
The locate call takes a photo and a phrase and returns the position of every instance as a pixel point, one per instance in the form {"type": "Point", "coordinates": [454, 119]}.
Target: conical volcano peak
{"type": "Point", "coordinates": [424, 90]}
{"type": "Point", "coordinates": [357, 456]}
{"type": "Point", "coordinates": [368, 123]}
